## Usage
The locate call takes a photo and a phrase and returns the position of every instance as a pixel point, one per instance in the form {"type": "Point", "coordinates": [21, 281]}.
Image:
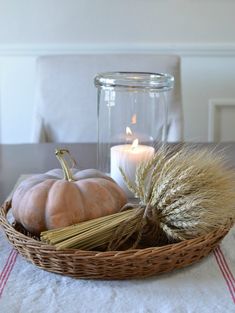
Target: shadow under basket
{"type": "Point", "coordinates": [135, 263]}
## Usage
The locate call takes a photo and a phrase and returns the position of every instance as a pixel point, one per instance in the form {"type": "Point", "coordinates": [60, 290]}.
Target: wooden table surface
{"type": "Point", "coordinates": [19, 159]}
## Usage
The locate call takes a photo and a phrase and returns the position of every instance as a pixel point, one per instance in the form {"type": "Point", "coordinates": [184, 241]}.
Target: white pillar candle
{"type": "Point", "coordinates": [128, 158]}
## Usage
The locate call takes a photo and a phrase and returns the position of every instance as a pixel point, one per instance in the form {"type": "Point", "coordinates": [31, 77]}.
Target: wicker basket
{"type": "Point", "coordinates": [136, 263]}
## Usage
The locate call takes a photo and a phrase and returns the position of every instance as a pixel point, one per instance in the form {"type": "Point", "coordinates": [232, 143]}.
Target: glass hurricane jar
{"type": "Point", "coordinates": [132, 120]}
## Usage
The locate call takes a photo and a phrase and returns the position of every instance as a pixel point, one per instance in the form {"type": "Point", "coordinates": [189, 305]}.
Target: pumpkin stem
{"type": "Point", "coordinates": [65, 167]}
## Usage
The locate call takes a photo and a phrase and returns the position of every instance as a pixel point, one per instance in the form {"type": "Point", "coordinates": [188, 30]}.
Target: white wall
{"type": "Point", "coordinates": [122, 21]}
{"type": "Point", "coordinates": [17, 95]}
{"type": "Point", "coordinates": [207, 79]}
{"type": "Point", "coordinates": [202, 32]}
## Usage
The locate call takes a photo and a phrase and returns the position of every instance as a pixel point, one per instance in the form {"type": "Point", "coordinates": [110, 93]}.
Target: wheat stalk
{"type": "Point", "coordinates": [183, 193]}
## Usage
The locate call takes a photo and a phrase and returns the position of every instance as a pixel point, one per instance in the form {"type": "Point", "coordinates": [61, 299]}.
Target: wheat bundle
{"type": "Point", "coordinates": [183, 193]}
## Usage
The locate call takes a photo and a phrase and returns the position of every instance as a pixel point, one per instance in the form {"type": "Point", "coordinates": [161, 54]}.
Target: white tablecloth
{"type": "Point", "coordinates": [208, 286]}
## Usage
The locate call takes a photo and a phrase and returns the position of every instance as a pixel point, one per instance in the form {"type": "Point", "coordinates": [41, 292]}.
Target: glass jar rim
{"type": "Point", "coordinates": [135, 80]}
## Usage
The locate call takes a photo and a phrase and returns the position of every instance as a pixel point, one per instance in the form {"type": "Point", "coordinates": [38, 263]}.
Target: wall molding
{"type": "Point", "coordinates": [182, 49]}
{"type": "Point", "coordinates": [214, 106]}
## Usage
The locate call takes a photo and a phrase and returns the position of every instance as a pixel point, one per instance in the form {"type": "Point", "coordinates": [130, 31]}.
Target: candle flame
{"type": "Point", "coordinates": [135, 144]}
{"type": "Point", "coordinates": [128, 131]}
{"type": "Point", "coordinates": [134, 119]}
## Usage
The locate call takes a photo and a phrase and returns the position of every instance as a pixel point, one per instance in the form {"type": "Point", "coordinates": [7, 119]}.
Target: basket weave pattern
{"type": "Point", "coordinates": [136, 263]}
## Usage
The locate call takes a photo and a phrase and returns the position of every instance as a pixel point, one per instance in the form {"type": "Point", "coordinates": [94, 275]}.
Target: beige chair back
{"type": "Point", "coordinates": [66, 98]}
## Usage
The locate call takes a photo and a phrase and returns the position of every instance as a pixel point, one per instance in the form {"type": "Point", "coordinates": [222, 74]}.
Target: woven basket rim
{"type": "Point", "coordinates": [126, 264]}
{"type": "Point", "coordinates": [5, 208]}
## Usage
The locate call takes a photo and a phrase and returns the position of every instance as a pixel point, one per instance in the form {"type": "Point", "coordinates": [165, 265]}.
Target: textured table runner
{"type": "Point", "coordinates": [208, 286]}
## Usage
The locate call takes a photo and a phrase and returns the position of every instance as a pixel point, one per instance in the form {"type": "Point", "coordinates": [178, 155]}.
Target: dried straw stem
{"type": "Point", "coordinates": [90, 234]}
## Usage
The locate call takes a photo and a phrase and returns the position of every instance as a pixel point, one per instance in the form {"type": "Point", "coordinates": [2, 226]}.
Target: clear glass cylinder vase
{"type": "Point", "coordinates": [132, 113]}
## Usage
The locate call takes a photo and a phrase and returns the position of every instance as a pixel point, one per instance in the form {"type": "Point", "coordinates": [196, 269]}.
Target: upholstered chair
{"type": "Point", "coordinates": [66, 98]}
